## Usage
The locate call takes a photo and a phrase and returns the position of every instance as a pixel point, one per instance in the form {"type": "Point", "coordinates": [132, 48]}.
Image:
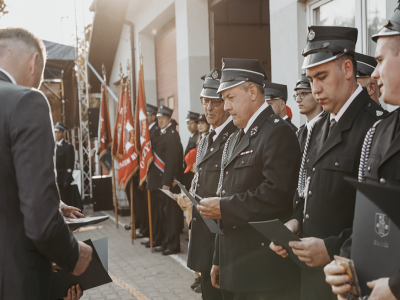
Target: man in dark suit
{"type": "Point", "coordinates": [257, 182]}
{"type": "Point", "coordinates": [325, 207]}
{"type": "Point", "coordinates": [167, 166]}
{"type": "Point", "coordinates": [276, 95]}
{"type": "Point", "coordinates": [191, 122]}
{"type": "Point", "coordinates": [32, 231]}
{"type": "Point", "coordinates": [307, 106]}
{"type": "Point", "coordinates": [383, 145]}
{"type": "Point", "coordinates": [65, 160]}
{"type": "Point", "coordinates": [365, 67]}
{"type": "Point", "coordinates": [205, 183]}
{"type": "Point", "coordinates": [151, 118]}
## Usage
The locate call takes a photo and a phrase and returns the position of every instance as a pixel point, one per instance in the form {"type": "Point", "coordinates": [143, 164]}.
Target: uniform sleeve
{"type": "Point", "coordinates": [69, 165]}
{"type": "Point", "coordinates": [274, 196]}
{"type": "Point", "coordinates": [298, 208]}
{"type": "Point", "coordinates": [33, 145]}
{"type": "Point", "coordinates": [345, 251]}
{"type": "Point", "coordinates": [333, 244]}
{"type": "Point", "coordinates": [216, 251]}
{"type": "Point", "coordinates": [172, 160]}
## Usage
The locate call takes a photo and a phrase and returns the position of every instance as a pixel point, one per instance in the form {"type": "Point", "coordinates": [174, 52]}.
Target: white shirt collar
{"type": "Point", "coordinates": [60, 142]}
{"type": "Point", "coordinates": [346, 105]}
{"type": "Point", "coordinates": [191, 135]}
{"type": "Point", "coordinates": [254, 117]}
{"type": "Point", "coordinates": [310, 124]}
{"type": "Point", "coordinates": [221, 127]}
{"type": "Point", "coordinates": [9, 76]}
{"type": "Point", "coordinates": [151, 125]}
{"type": "Point", "coordinates": [163, 130]}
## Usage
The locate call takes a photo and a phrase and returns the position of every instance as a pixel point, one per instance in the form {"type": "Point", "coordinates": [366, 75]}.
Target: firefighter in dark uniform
{"type": "Point", "coordinates": [382, 142]}
{"type": "Point", "coordinates": [205, 183]}
{"type": "Point", "coordinates": [307, 106]}
{"type": "Point", "coordinates": [257, 183]}
{"type": "Point", "coordinates": [192, 119]}
{"type": "Point", "coordinates": [167, 166]}
{"type": "Point", "coordinates": [276, 96]}
{"type": "Point", "coordinates": [152, 118]}
{"type": "Point", "coordinates": [365, 66]}
{"type": "Point", "coordinates": [325, 206]}
{"type": "Point", "coordinates": [65, 160]}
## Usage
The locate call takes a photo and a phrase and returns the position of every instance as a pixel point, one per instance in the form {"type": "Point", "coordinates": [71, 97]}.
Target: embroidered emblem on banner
{"type": "Point", "coordinates": [379, 113]}
{"type": "Point", "coordinates": [311, 35]}
{"type": "Point", "coordinates": [382, 224]}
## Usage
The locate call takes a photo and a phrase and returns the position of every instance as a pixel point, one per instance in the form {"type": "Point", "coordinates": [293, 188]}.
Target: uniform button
{"type": "Point", "coordinates": [369, 169]}
{"type": "Point", "coordinates": [226, 174]}
{"type": "Point", "coordinates": [200, 169]}
{"type": "Point", "coordinates": [297, 202]}
{"type": "Point", "coordinates": [194, 220]}
{"type": "Point", "coordinates": [223, 193]}
{"type": "Point", "coordinates": [336, 164]}
{"type": "Point", "coordinates": [198, 185]}
{"type": "Point", "coordinates": [212, 149]}
{"type": "Point", "coordinates": [307, 217]}
{"type": "Point", "coordinates": [382, 180]}
{"type": "Point", "coordinates": [313, 170]}
{"type": "Point", "coordinates": [262, 244]}
{"type": "Point", "coordinates": [216, 166]}
{"type": "Point", "coordinates": [242, 162]}
{"type": "Point", "coordinates": [222, 230]}
{"type": "Point", "coordinates": [309, 193]}
{"type": "Point", "coordinates": [234, 226]}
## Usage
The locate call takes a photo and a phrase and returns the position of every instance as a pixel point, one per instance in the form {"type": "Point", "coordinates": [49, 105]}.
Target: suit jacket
{"type": "Point", "coordinates": [167, 146]}
{"type": "Point", "coordinates": [32, 231]}
{"type": "Point", "coordinates": [192, 142]}
{"type": "Point", "coordinates": [331, 200]}
{"type": "Point", "coordinates": [257, 186]}
{"type": "Point", "coordinates": [302, 136]}
{"type": "Point", "coordinates": [153, 130]}
{"type": "Point", "coordinates": [65, 159]}
{"type": "Point", "coordinates": [383, 166]}
{"type": "Point", "coordinates": [202, 240]}
{"type": "Point", "coordinates": [289, 121]}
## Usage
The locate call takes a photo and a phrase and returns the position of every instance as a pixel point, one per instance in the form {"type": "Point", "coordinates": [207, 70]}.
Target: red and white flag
{"type": "Point", "coordinates": [118, 123]}
{"type": "Point", "coordinates": [104, 149]}
{"type": "Point", "coordinates": [142, 130]}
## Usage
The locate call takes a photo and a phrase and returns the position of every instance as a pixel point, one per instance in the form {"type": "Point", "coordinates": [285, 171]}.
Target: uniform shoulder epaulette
{"type": "Point", "coordinates": [375, 109]}
{"type": "Point", "coordinates": [275, 120]}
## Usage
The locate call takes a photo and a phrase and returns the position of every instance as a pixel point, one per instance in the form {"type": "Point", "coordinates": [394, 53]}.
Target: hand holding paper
{"type": "Point", "coordinates": [294, 226]}
{"type": "Point", "coordinates": [312, 251]}
{"type": "Point", "coordinates": [210, 208]}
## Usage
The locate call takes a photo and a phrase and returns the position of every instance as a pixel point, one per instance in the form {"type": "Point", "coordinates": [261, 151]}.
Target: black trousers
{"type": "Point", "coordinates": [171, 216]}
{"type": "Point", "coordinates": [208, 291]}
{"type": "Point", "coordinates": [144, 225]}
{"type": "Point", "coordinates": [314, 286]}
{"type": "Point", "coordinates": [139, 205]}
{"type": "Point", "coordinates": [157, 218]}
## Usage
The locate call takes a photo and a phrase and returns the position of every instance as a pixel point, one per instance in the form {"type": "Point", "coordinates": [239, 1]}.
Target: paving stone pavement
{"type": "Point", "coordinates": [143, 275]}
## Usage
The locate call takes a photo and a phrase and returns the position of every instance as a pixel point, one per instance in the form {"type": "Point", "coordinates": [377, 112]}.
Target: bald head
{"type": "Point", "coordinates": [23, 56]}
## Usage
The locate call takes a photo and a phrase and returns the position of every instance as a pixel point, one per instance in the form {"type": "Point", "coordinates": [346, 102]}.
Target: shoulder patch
{"type": "Point", "coordinates": [375, 110]}
{"type": "Point", "coordinates": [275, 120]}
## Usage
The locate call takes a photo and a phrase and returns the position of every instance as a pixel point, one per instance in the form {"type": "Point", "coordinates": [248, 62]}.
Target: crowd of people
{"type": "Point", "coordinates": [245, 162]}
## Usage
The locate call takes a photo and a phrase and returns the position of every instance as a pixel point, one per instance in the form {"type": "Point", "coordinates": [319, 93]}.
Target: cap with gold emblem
{"type": "Point", "coordinates": [211, 84]}
{"type": "Point", "coordinates": [274, 91]}
{"type": "Point", "coordinates": [303, 82]}
{"type": "Point", "coordinates": [326, 43]}
{"type": "Point", "coordinates": [391, 27]}
{"type": "Point", "coordinates": [237, 71]}
{"type": "Point", "coordinates": [164, 111]}
{"type": "Point", "coordinates": [365, 65]}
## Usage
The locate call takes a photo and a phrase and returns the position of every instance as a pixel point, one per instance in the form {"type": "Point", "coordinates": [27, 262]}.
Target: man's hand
{"type": "Point", "coordinates": [74, 295]}
{"type": "Point", "coordinates": [165, 187]}
{"type": "Point", "coordinates": [210, 208]}
{"type": "Point", "coordinates": [70, 211]}
{"type": "Point", "coordinates": [336, 277]}
{"type": "Point", "coordinates": [294, 226]}
{"type": "Point", "coordinates": [85, 256]}
{"type": "Point", "coordinates": [215, 276]}
{"type": "Point", "coordinates": [312, 251]}
{"type": "Point", "coordinates": [380, 290]}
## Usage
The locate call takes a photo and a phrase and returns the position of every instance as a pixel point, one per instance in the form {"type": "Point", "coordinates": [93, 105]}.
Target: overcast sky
{"type": "Point", "coordinates": [43, 18]}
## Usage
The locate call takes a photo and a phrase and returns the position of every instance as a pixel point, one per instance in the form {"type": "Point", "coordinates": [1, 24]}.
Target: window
{"type": "Point", "coordinates": [333, 14]}
{"type": "Point", "coordinates": [160, 102]}
{"type": "Point", "coordinates": [171, 102]}
{"type": "Point", "coordinates": [376, 18]}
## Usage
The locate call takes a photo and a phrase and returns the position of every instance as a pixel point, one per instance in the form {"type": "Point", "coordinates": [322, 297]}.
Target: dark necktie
{"type": "Point", "coordinates": [333, 124]}
{"type": "Point", "coordinates": [303, 136]}
{"type": "Point", "coordinates": [240, 136]}
{"type": "Point", "coordinates": [210, 138]}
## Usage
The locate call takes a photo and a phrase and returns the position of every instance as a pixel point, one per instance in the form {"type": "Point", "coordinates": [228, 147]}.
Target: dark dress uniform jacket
{"type": "Point", "coordinates": [257, 186]}
{"type": "Point", "coordinates": [289, 121]}
{"type": "Point", "coordinates": [65, 158]}
{"type": "Point", "coordinates": [383, 167]}
{"type": "Point", "coordinates": [32, 230]}
{"type": "Point", "coordinates": [302, 136]}
{"type": "Point", "coordinates": [331, 200]}
{"type": "Point", "coordinates": [169, 149]}
{"type": "Point", "coordinates": [202, 240]}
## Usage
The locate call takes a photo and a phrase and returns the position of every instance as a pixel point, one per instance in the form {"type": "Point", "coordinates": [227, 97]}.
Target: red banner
{"type": "Point", "coordinates": [142, 131]}
{"type": "Point", "coordinates": [128, 158]}
{"type": "Point", "coordinates": [118, 123]}
{"type": "Point", "coordinates": [104, 149]}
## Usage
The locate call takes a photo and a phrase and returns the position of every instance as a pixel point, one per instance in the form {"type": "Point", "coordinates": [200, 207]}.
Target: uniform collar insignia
{"type": "Point", "coordinates": [379, 113]}
{"type": "Point", "coordinates": [276, 120]}
{"type": "Point", "coordinates": [254, 131]}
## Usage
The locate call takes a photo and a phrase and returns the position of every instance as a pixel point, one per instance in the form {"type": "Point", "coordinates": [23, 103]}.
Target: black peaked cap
{"type": "Point", "coordinates": [365, 65]}
{"type": "Point", "coordinates": [164, 111]}
{"type": "Point", "coordinates": [303, 82]}
{"type": "Point", "coordinates": [192, 116]}
{"type": "Point", "coordinates": [203, 118]}
{"type": "Point", "coordinates": [60, 127]}
{"type": "Point", "coordinates": [391, 27]}
{"type": "Point", "coordinates": [275, 90]}
{"type": "Point", "coordinates": [326, 43]}
{"type": "Point", "coordinates": [211, 84]}
{"type": "Point", "coordinates": [151, 109]}
{"type": "Point", "coordinates": [236, 71]}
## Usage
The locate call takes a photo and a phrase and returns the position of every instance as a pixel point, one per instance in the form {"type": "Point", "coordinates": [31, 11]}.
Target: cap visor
{"type": "Point", "coordinates": [227, 85]}
{"type": "Point", "coordinates": [210, 93]}
{"type": "Point", "coordinates": [319, 58]}
{"type": "Point", "coordinates": [384, 32]}
{"type": "Point", "coordinates": [159, 115]}
{"type": "Point", "coordinates": [302, 86]}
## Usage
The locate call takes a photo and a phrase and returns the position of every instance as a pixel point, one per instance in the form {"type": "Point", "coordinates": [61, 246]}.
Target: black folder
{"type": "Point", "coordinates": [95, 275]}
{"type": "Point", "coordinates": [211, 224]}
{"type": "Point", "coordinates": [80, 222]}
{"type": "Point", "coordinates": [376, 238]}
{"type": "Point", "coordinates": [277, 232]}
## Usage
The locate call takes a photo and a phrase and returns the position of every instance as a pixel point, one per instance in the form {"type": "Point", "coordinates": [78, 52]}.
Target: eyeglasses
{"type": "Point", "coordinates": [302, 95]}
{"type": "Point", "coordinates": [214, 102]}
